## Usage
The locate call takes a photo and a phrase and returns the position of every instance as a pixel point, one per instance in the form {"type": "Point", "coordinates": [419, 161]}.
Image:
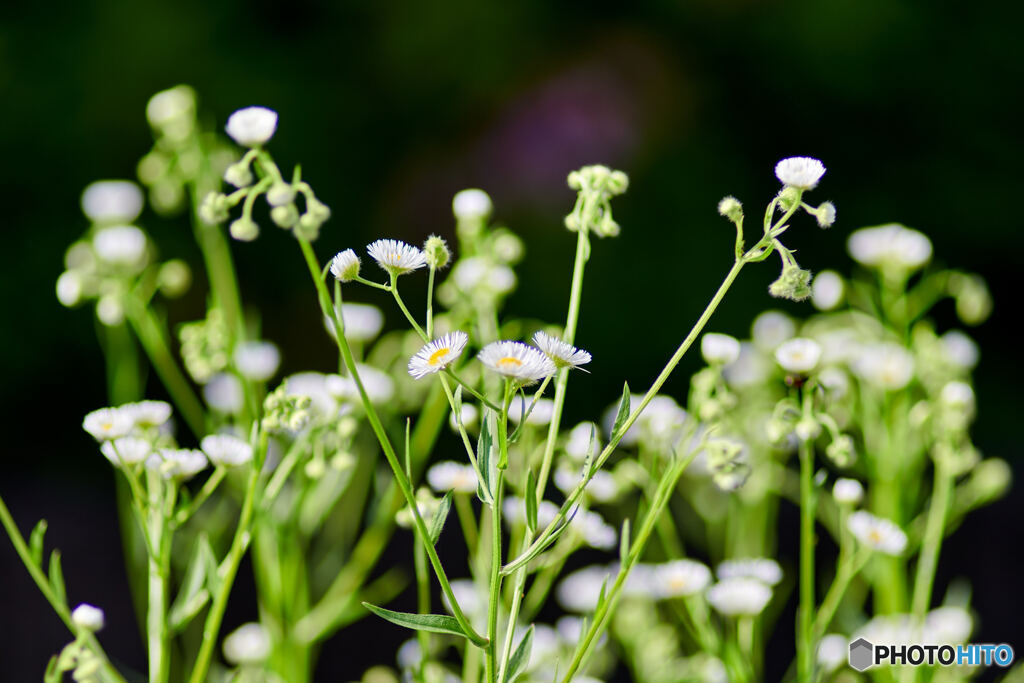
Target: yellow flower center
{"type": "Point", "coordinates": [677, 583]}
{"type": "Point", "coordinates": [509, 362]}
{"type": "Point", "coordinates": [107, 426]}
{"type": "Point", "coordinates": [875, 536]}
{"type": "Point", "coordinates": [437, 356]}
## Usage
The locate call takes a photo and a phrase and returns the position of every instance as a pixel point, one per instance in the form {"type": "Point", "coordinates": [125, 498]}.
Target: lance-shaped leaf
{"type": "Point", "coordinates": [488, 470]}
{"type": "Point", "coordinates": [624, 543]}
{"type": "Point", "coordinates": [434, 623]}
{"type": "Point", "coordinates": [437, 523]}
{"type": "Point", "coordinates": [194, 593]}
{"type": "Point", "coordinates": [35, 542]}
{"type": "Point", "coordinates": [623, 412]}
{"type": "Point", "coordinates": [531, 503]}
{"type": "Point", "coordinates": [540, 545]}
{"type": "Point", "coordinates": [57, 578]}
{"type": "Point", "coordinates": [520, 658]}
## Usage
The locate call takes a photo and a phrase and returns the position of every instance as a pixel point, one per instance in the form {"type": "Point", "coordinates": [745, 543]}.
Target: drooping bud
{"type": "Point", "coordinates": [436, 251]}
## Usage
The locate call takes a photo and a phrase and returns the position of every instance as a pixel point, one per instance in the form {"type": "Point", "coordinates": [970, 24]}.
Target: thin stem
{"type": "Point", "coordinates": [423, 604]}
{"type": "Point", "coordinates": [159, 570]}
{"type": "Point", "coordinates": [430, 303]}
{"type": "Point", "coordinates": [805, 625]}
{"type": "Point", "coordinates": [209, 486]}
{"type": "Point", "coordinates": [933, 535]}
{"type": "Point", "coordinates": [401, 304]}
{"type": "Point", "coordinates": [491, 663]}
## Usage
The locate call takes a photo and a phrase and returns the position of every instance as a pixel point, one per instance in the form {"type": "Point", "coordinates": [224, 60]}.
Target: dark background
{"type": "Point", "coordinates": [392, 107]}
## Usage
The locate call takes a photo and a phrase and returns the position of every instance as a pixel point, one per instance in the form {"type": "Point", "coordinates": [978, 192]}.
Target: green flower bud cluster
{"type": "Point", "coordinates": [285, 411]}
{"type": "Point", "coordinates": [85, 666]}
{"type": "Point", "coordinates": [972, 297]}
{"type": "Point", "coordinates": [428, 506]}
{"type": "Point", "coordinates": [595, 185]}
{"type": "Point", "coordinates": [709, 395]}
{"type": "Point", "coordinates": [841, 451]}
{"type": "Point", "coordinates": [204, 346]}
{"type": "Point", "coordinates": [794, 283]}
{"type": "Point", "coordinates": [725, 460]}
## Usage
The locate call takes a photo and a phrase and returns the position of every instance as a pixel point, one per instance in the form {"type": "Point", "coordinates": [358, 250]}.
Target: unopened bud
{"type": "Point", "coordinates": [285, 216]}
{"type": "Point", "coordinates": [280, 193]}
{"type": "Point", "coordinates": [436, 252]}
{"type": "Point", "coordinates": [244, 229]}
{"type": "Point", "coordinates": [731, 208]}
{"type": "Point", "coordinates": [238, 174]}
{"type": "Point", "coordinates": [794, 283]}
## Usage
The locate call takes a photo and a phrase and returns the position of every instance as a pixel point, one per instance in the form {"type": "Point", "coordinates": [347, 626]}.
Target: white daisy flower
{"type": "Point", "coordinates": [799, 355]}
{"type": "Point", "coordinates": [764, 569]}
{"type": "Point", "coordinates": [128, 450]}
{"type": "Point", "coordinates": [517, 361]}
{"type": "Point", "coordinates": [108, 423]}
{"type": "Point", "coordinates": [578, 592]}
{"type": "Point", "coordinates": [877, 533]}
{"type": "Point", "coordinates": [896, 629]}
{"type": "Point", "coordinates": [827, 290]}
{"type": "Point", "coordinates": [770, 329]}
{"type": "Point", "coordinates": [257, 360]}
{"type": "Point", "coordinates": [719, 349]}
{"type": "Point", "coordinates": [252, 126]}
{"type": "Point", "coordinates": [890, 246]}
{"type": "Point", "coordinates": [87, 617]}
{"type": "Point", "coordinates": [396, 257]}
{"type": "Point", "coordinates": [177, 463]}
{"type": "Point", "coordinates": [437, 355]}
{"type": "Point", "coordinates": [541, 414]}
{"type": "Point", "coordinates": [247, 644]}
{"type": "Point", "coordinates": [947, 626]}
{"type": "Point", "coordinates": [739, 596]}
{"type": "Point", "coordinates": [602, 487]}
{"type": "Point", "coordinates": [592, 528]}
{"type": "Point", "coordinates": [121, 245]}
{"type": "Point", "coordinates": [452, 476]}
{"type": "Point", "coordinates": [578, 444]}
{"type": "Point", "coordinates": [513, 511]}
{"type": "Point", "coordinates": [832, 651]}
{"type": "Point", "coordinates": [345, 265]}
{"type": "Point", "coordinates": [562, 354]}
{"type": "Point", "coordinates": [378, 385]}
{"type": "Point", "coordinates": [363, 322]}
{"type": "Point", "coordinates": [800, 172]}
{"type": "Point", "coordinates": [680, 578]}
{"type": "Point", "coordinates": [750, 368]}
{"type": "Point", "coordinates": [227, 450]}
{"type": "Point", "coordinates": [960, 349]}
{"type": "Point", "coordinates": [224, 393]}
{"type": "Point", "coordinates": [469, 415]}
{"type": "Point", "coordinates": [148, 413]}
{"type": "Point", "coordinates": [886, 365]}
{"type": "Point", "coordinates": [476, 275]}
{"type": "Point", "coordinates": [848, 491]}
{"type": "Point", "coordinates": [112, 201]}
{"type": "Point", "coordinates": [471, 204]}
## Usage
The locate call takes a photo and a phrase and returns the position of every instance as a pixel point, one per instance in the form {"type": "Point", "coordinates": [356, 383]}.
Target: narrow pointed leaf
{"type": "Point", "coordinates": [440, 517]}
{"type": "Point", "coordinates": [57, 578]}
{"type": "Point", "coordinates": [531, 502]}
{"type": "Point", "coordinates": [537, 548]}
{"type": "Point", "coordinates": [623, 412]}
{"type": "Point", "coordinates": [193, 595]}
{"type": "Point", "coordinates": [588, 461]}
{"type": "Point", "coordinates": [485, 489]}
{"type": "Point", "coordinates": [35, 542]}
{"type": "Point", "coordinates": [434, 623]}
{"type": "Point", "coordinates": [521, 657]}
{"type": "Point", "coordinates": [624, 543]}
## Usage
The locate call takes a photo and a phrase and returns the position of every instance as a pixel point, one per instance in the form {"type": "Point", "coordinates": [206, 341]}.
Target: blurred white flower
{"type": "Point", "coordinates": [396, 257]}
{"type": "Point", "coordinates": [477, 274]}
{"type": "Point", "coordinates": [516, 360]}
{"type": "Point", "coordinates": [602, 486]}
{"type": "Point", "coordinates": [452, 476]}
{"type": "Point", "coordinates": [148, 413]}
{"type": "Point", "coordinates": [886, 365]}
{"type": "Point", "coordinates": [127, 450]}
{"type": "Point", "coordinates": [594, 530]}
{"type": "Point", "coordinates": [877, 533]}
{"type": "Point", "coordinates": [832, 651]}
{"type": "Point", "coordinates": [799, 355]}
{"type": "Point", "coordinates": [363, 322]}
{"type": "Point", "coordinates": [719, 349]}
{"type": "Point", "coordinates": [471, 204]}
{"type": "Point", "coordinates": [764, 569]}
{"type": "Point", "coordinates": [109, 310]}
{"type": "Point", "coordinates": [960, 349]}
{"type": "Point", "coordinates": [177, 463]}
{"type": "Point", "coordinates": [770, 329]}
{"type": "Point", "coordinates": [226, 450]}
{"type": "Point", "coordinates": [947, 626]}
{"type": "Point", "coordinates": [513, 510]}
{"type": "Point", "coordinates": [847, 491]}
{"type": "Point", "coordinates": [122, 245]}
{"type": "Point", "coordinates": [538, 417]}
{"type": "Point", "coordinates": [958, 396]}
{"type": "Point", "coordinates": [87, 617]}
{"type": "Point", "coordinates": [248, 644]}
{"type": "Point", "coordinates": [562, 354]}
{"type": "Point", "coordinates": [224, 393]}
{"type": "Point", "coordinates": [827, 290]}
{"type": "Point", "coordinates": [257, 360]}
{"type": "Point", "coordinates": [437, 355]}
{"type": "Point", "coordinates": [252, 126]}
{"type": "Point", "coordinates": [890, 246]}
{"type": "Point", "coordinates": [749, 369]}
{"type": "Point", "coordinates": [578, 443]}
{"type": "Point", "coordinates": [578, 592]}
{"type": "Point", "coordinates": [739, 596]}
{"type": "Point", "coordinates": [314, 385]}
{"type": "Point", "coordinates": [800, 172]}
{"type": "Point", "coordinates": [379, 386]}
{"type": "Point", "coordinates": [112, 201]}
{"type": "Point", "coordinates": [469, 415]}
{"type": "Point", "coordinates": [108, 423]}
{"type": "Point", "coordinates": [70, 288]}
{"type": "Point", "coordinates": [680, 578]}
{"type": "Point", "coordinates": [170, 106]}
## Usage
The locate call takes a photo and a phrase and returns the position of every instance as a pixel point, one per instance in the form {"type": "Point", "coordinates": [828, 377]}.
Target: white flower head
{"type": "Point", "coordinates": [70, 288]}
{"type": "Point", "coordinates": [602, 487]}
{"type": "Point", "coordinates": [108, 423]}
{"type": "Point", "coordinates": [471, 204]}
{"type": "Point", "coordinates": [252, 126]}
{"type": "Point", "coordinates": [109, 310]}
{"type": "Point", "coordinates": [469, 415]}
{"type": "Point", "coordinates": [437, 355]}
{"type": "Point", "coordinates": [848, 491]}
{"type": "Point", "coordinates": [379, 386]}
{"type": "Point", "coordinates": [800, 172]}
{"type": "Point", "coordinates": [224, 393]}
{"type": "Point", "coordinates": [517, 361]}
{"type": "Point", "coordinates": [227, 450]}
{"type": "Point", "coordinates": [832, 651]}
{"type": "Point", "coordinates": [739, 596]}
{"type": "Point", "coordinates": [891, 246]}
{"type": "Point", "coordinates": [799, 355]}
{"type": "Point", "coordinates": [345, 265]}
{"type": "Point", "coordinates": [468, 597]}
{"type": "Point", "coordinates": [770, 329]}
{"type": "Point", "coordinates": [948, 625]}
{"type": "Point", "coordinates": [958, 396]}
{"type": "Point", "coordinates": [764, 569]}
{"type": "Point", "coordinates": [719, 349]}
{"type": "Point", "coordinates": [363, 322]}
{"type": "Point", "coordinates": [128, 450]}
{"type": "Point", "coordinates": [87, 617]}
{"type": "Point", "coordinates": [248, 644]}
{"type": "Point", "coordinates": [877, 533]}
{"type": "Point", "coordinates": [886, 365]}
{"type": "Point", "coordinates": [578, 592]}
{"type": "Point", "coordinates": [177, 463]}
{"type": "Point", "coordinates": [827, 290]}
{"type": "Point", "coordinates": [543, 410]}
{"type": "Point", "coordinates": [148, 413]}
{"type": "Point", "coordinates": [593, 529]}
{"type": "Point", "coordinates": [749, 369]}
{"type": "Point", "coordinates": [477, 275]}
{"type": "Point", "coordinates": [120, 245]}
{"type": "Point", "coordinates": [112, 201]}
{"type": "Point", "coordinates": [578, 444]}
{"type": "Point", "coordinates": [960, 349]}
{"type": "Point", "coordinates": [452, 476]}
{"type": "Point", "coordinates": [680, 578]}
{"type": "Point", "coordinates": [396, 257]}
{"type": "Point", "coordinates": [257, 360]}
{"type": "Point", "coordinates": [562, 354]}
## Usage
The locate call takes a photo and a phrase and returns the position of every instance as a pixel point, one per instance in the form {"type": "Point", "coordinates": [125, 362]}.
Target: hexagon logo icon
{"type": "Point", "coordinates": [861, 654]}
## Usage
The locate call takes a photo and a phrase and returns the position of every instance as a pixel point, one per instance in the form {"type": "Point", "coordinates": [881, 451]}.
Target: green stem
{"type": "Point", "coordinates": [160, 494]}
{"type": "Point", "coordinates": [805, 624]}
{"type": "Point", "coordinates": [934, 532]}
{"type": "Point", "coordinates": [493, 603]}
{"type": "Point", "coordinates": [209, 486]}
{"type": "Point", "coordinates": [423, 604]}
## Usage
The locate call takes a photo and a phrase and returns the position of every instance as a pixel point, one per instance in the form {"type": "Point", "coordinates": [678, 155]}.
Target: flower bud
{"type": "Point", "coordinates": [345, 266]}
{"type": "Point", "coordinates": [214, 208]}
{"type": "Point", "coordinates": [280, 193]}
{"type": "Point", "coordinates": [807, 429]}
{"type": "Point", "coordinates": [731, 208]}
{"type": "Point", "coordinates": [825, 214]}
{"type": "Point", "coordinates": [840, 451]}
{"type": "Point", "coordinates": [285, 216]}
{"type": "Point", "coordinates": [471, 205]}
{"type": "Point", "coordinates": [110, 311]}
{"type": "Point", "coordinates": [174, 278]}
{"type": "Point", "coordinates": [244, 229]}
{"type": "Point", "coordinates": [848, 491]}
{"type": "Point", "coordinates": [436, 252]}
{"type": "Point", "coordinates": [990, 479]}
{"type": "Point", "coordinates": [789, 198]}
{"type": "Point", "coordinates": [794, 283]}
{"type": "Point", "coordinates": [238, 174]}
{"type": "Point", "coordinates": [87, 618]}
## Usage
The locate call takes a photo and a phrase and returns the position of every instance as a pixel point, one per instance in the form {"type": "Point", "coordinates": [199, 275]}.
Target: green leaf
{"type": "Point", "coordinates": [485, 489]}
{"type": "Point", "coordinates": [408, 456]}
{"type": "Point", "coordinates": [588, 461]}
{"type": "Point", "coordinates": [440, 517]}
{"type": "Point", "coordinates": [521, 657]}
{"type": "Point", "coordinates": [624, 543]}
{"type": "Point", "coordinates": [434, 623]}
{"type": "Point", "coordinates": [623, 412]}
{"type": "Point", "coordinates": [53, 674]}
{"type": "Point", "coordinates": [57, 578]}
{"type": "Point", "coordinates": [35, 542]}
{"type": "Point", "coordinates": [537, 548]}
{"type": "Point", "coordinates": [531, 502]}
{"type": "Point", "coordinates": [193, 595]}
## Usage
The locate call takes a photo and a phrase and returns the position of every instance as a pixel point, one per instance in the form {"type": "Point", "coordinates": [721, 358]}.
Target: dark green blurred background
{"type": "Point", "coordinates": [392, 107]}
